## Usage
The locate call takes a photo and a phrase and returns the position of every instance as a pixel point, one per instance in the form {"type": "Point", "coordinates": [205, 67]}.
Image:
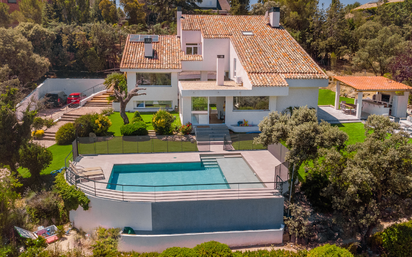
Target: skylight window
{"type": "Point", "coordinates": [247, 33]}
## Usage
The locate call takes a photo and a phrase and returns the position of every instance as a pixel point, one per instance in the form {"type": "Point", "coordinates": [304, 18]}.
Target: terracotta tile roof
{"type": "Point", "coordinates": [372, 83]}
{"type": "Point", "coordinates": [260, 79]}
{"type": "Point", "coordinates": [168, 54]}
{"type": "Point", "coordinates": [269, 50]}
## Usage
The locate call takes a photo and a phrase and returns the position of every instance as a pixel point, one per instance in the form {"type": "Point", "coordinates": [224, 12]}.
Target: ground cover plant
{"type": "Point", "coordinates": [327, 97]}
{"type": "Point", "coordinates": [395, 240]}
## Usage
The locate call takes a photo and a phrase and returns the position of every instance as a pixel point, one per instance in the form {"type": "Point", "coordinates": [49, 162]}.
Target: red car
{"type": "Point", "coordinates": [74, 98]}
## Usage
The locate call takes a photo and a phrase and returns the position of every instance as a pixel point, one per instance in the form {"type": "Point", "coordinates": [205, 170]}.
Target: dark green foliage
{"type": "Point", "coordinates": [137, 117]}
{"type": "Point", "coordinates": [48, 122]}
{"type": "Point", "coordinates": [46, 206]}
{"type": "Point", "coordinates": [72, 197]}
{"type": "Point", "coordinates": [66, 134]}
{"type": "Point", "coordinates": [162, 122]}
{"type": "Point", "coordinates": [35, 158]}
{"type": "Point", "coordinates": [396, 240]}
{"type": "Point", "coordinates": [271, 253]}
{"type": "Point", "coordinates": [213, 248]}
{"type": "Point", "coordinates": [39, 242]}
{"type": "Point", "coordinates": [134, 129]}
{"type": "Point", "coordinates": [178, 252]}
{"type": "Point", "coordinates": [313, 186]}
{"type": "Point", "coordinates": [38, 123]}
{"type": "Point", "coordinates": [84, 124]}
{"type": "Point", "coordinates": [329, 251]}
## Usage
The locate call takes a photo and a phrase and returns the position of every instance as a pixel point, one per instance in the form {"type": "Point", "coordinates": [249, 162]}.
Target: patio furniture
{"type": "Point", "coordinates": [350, 108]}
{"type": "Point", "coordinates": [86, 172]}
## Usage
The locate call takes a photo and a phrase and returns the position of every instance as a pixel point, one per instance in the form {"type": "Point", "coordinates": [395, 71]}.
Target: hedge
{"type": "Point", "coordinates": [66, 134]}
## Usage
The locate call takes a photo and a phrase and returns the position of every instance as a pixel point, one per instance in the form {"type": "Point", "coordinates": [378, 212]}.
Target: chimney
{"type": "Point", "coordinates": [220, 70]}
{"type": "Point", "coordinates": [274, 17]}
{"type": "Point", "coordinates": [178, 18]}
{"type": "Point", "coordinates": [148, 48]}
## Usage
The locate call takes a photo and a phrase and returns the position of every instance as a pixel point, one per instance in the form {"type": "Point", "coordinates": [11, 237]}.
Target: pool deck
{"type": "Point", "coordinates": [262, 162]}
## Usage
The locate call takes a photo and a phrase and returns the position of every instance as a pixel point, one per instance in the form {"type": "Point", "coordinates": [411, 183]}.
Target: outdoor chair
{"type": "Point", "coordinates": [86, 172]}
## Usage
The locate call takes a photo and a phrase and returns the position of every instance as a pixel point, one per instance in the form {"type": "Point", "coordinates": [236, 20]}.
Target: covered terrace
{"type": "Point", "coordinates": [391, 97]}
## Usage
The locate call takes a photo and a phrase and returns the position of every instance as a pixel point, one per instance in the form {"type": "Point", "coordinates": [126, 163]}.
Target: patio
{"type": "Point", "coordinates": [330, 114]}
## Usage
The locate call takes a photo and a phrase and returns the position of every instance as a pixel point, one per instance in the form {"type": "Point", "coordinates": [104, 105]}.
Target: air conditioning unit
{"type": "Point", "coordinates": [238, 80]}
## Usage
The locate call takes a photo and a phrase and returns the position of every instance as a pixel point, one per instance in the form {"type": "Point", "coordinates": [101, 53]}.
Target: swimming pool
{"type": "Point", "coordinates": [168, 175]}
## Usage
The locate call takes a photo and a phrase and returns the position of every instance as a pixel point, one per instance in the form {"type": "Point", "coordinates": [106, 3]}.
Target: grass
{"type": "Point", "coordinates": [117, 121]}
{"type": "Point", "coordinates": [59, 154]}
{"type": "Point", "coordinates": [327, 97]}
{"type": "Point", "coordinates": [245, 142]}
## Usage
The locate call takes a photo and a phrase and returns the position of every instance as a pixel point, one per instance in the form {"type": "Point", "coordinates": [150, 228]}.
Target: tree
{"type": "Point", "coordinates": [5, 18]}
{"type": "Point", "coordinates": [31, 10]}
{"type": "Point", "coordinates": [14, 134]}
{"type": "Point", "coordinates": [302, 134]}
{"type": "Point", "coordinates": [376, 52]}
{"type": "Point", "coordinates": [40, 38]}
{"type": "Point", "coordinates": [117, 82]}
{"type": "Point", "coordinates": [17, 52]}
{"type": "Point", "coordinates": [109, 11]}
{"type": "Point", "coordinates": [165, 10]}
{"type": "Point", "coordinates": [261, 8]}
{"type": "Point", "coordinates": [35, 158]}
{"type": "Point", "coordinates": [239, 7]}
{"type": "Point", "coordinates": [134, 11]}
{"type": "Point", "coordinates": [401, 66]}
{"type": "Point", "coordinates": [298, 223]}
{"type": "Point", "coordinates": [371, 180]}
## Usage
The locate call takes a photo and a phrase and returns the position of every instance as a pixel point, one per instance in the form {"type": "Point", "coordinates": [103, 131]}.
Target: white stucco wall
{"type": "Point", "coordinates": [240, 71]}
{"type": "Point", "coordinates": [298, 97]}
{"type": "Point", "coordinates": [191, 37]}
{"type": "Point", "coordinates": [400, 105]}
{"type": "Point", "coordinates": [68, 86]}
{"type": "Point", "coordinates": [113, 214]}
{"type": "Point", "coordinates": [186, 105]}
{"type": "Point", "coordinates": [153, 93]}
{"type": "Point", "coordinates": [158, 243]}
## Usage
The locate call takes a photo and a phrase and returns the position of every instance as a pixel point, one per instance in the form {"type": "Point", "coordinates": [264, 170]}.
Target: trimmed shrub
{"type": "Point", "coordinates": [66, 134]}
{"type": "Point", "coordinates": [37, 123]}
{"type": "Point", "coordinates": [84, 124]}
{"type": "Point", "coordinates": [213, 248]}
{"type": "Point", "coordinates": [328, 250]}
{"type": "Point", "coordinates": [178, 252]}
{"type": "Point", "coordinates": [162, 122]}
{"type": "Point", "coordinates": [186, 129]}
{"type": "Point", "coordinates": [397, 239]}
{"type": "Point", "coordinates": [38, 133]}
{"type": "Point", "coordinates": [101, 125]}
{"type": "Point", "coordinates": [134, 129]}
{"type": "Point", "coordinates": [137, 117]}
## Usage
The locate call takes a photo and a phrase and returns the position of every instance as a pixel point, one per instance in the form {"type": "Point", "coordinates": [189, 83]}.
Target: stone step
{"type": "Point", "coordinates": [47, 138]}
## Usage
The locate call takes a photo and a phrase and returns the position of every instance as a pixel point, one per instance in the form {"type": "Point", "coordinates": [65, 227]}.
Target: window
{"type": "Point", "coordinates": [12, 1]}
{"type": "Point", "coordinates": [192, 48]}
{"type": "Point", "coordinates": [157, 79]}
{"type": "Point", "coordinates": [251, 103]}
{"type": "Point", "coordinates": [386, 98]}
{"type": "Point", "coordinates": [234, 67]}
{"type": "Point", "coordinates": [154, 104]}
{"type": "Point", "coordinates": [199, 103]}
{"type": "Point", "coordinates": [247, 33]}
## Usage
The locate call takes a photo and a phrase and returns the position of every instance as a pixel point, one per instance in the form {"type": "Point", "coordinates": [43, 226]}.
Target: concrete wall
{"type": "Point", "coordinates": [400, 105]}
{"type": "Point", "coordinates": [252, 116]}
{"type": "Point", "coordinates": [223, 215]}
{"type": "Point", "coordinates": [298, 97]}
{"type": "Point", "coordinates": [68, 86]}
{"type": "Point", "coordinates": [158, 243]}
{"type": "Point", "coordinates": [113, 214]}
{"type": "Point", "coordinates": [240, 71]}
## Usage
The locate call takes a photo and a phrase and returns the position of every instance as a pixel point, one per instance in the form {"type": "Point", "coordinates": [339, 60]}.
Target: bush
{"type": "Point", "coordinates": [137, 117]}
{"type": "Point", "coordinates": [178, 252]}
{"type": "Point", "coordinates": [46, 206]}
{"type": "Point", "coordinates": [212, 248]}
{"type": "Point", "coordinates": [162, 122]}
{"type": "Point", "coordinates": [134, 129]}
{"type": "Point", "coordinates": [66, 134]}
{"type": "Point", "coordinates": [49, 122]}
{"type": "Point", "coordinates": [38, 123]}
{"type": "Point", "coordinates": [84, 124]}
{"type": "Point", "coordinates": [106, 242]}
{"type": "Point", "coordinates": [101, 125]}
{"type": "Point", "coordinates": [314, 184]}
{"type": "Point", "coordinates": [107, 111]}
{"type": "Point", "coordinates": [397, 239]}
{"type": "Point", "coordinates": [271, 253]}
{"type": "Point", "coordinates": [329, 251]}
{"type": "Point", "coordinates": [35, 158]}
{"type": "Point", "coordinates": [186, 129]}
{"type": "Point", "coordinates": [38, 134]}
{"type": "Point", "coordinates": [72, 197]}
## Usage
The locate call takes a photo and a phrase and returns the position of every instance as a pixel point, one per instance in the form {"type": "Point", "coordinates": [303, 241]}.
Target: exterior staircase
{"type": "Point", "coordinates": [49, 135]}
{"type": "Point", "coordinates": [100, 101]}
{"type": "Point", "coordinates": [210, 160]}
{"type": "Point", "coordinates": [69, 117]}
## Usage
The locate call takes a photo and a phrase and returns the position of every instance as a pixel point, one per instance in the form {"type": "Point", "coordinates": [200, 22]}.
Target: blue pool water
{"type": "Point", "coordinates": [165, 174]}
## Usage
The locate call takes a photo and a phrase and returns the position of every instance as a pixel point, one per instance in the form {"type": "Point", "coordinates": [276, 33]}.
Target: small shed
{"type": "Point", "coordinates": [391, 97]}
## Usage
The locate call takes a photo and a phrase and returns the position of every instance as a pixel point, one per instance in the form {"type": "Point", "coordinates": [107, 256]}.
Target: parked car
{"type": "Point", "coordinates": [74, 98]}
{"type": "Point", "coordinates": [55, 99]}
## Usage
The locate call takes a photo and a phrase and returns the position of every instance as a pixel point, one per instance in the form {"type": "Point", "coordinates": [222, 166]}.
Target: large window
{"type": "Point", "coordinates": [199, 103]}
{"type": "Point", "coordinates": [154, 104]}
{"type": "Point", "coordinates": [251, 103]}
{"type": "Point", "coordinates": [158, 79]}
{"type": "Point", "coordinates": [192, 49]}
{"type": "Point", "coordinates": [12, 1]}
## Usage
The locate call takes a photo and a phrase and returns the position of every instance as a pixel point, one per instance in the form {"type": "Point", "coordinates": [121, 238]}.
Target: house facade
{"type": "Point", "coordinates": [222, 69]}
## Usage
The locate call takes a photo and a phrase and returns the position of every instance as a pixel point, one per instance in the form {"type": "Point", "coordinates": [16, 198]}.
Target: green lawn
{"type": "Point", "coordinates": [59, 154]}
{"type": "Point", "coordinates": [117, 120]}
{"type": "Point", "coordinates": [245, 142]}
{"type": "Point", "coordinates": [327, 97]}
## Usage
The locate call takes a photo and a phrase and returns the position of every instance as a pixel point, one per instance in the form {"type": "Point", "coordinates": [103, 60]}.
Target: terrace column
{"type": "Point", "coordinates": [203, 75]}
{"type": "Point", "coordinates": [337, 94]}
{"type": "Point", "coordinates": [359, 105]}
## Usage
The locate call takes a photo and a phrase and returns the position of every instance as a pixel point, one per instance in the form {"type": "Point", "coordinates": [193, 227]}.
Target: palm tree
{"type": "Point", "coordinates": [118, 83]}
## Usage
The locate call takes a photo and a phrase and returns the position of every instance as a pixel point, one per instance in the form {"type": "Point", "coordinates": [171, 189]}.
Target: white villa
{"type": "Point", "coordinates": [222, 69]}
